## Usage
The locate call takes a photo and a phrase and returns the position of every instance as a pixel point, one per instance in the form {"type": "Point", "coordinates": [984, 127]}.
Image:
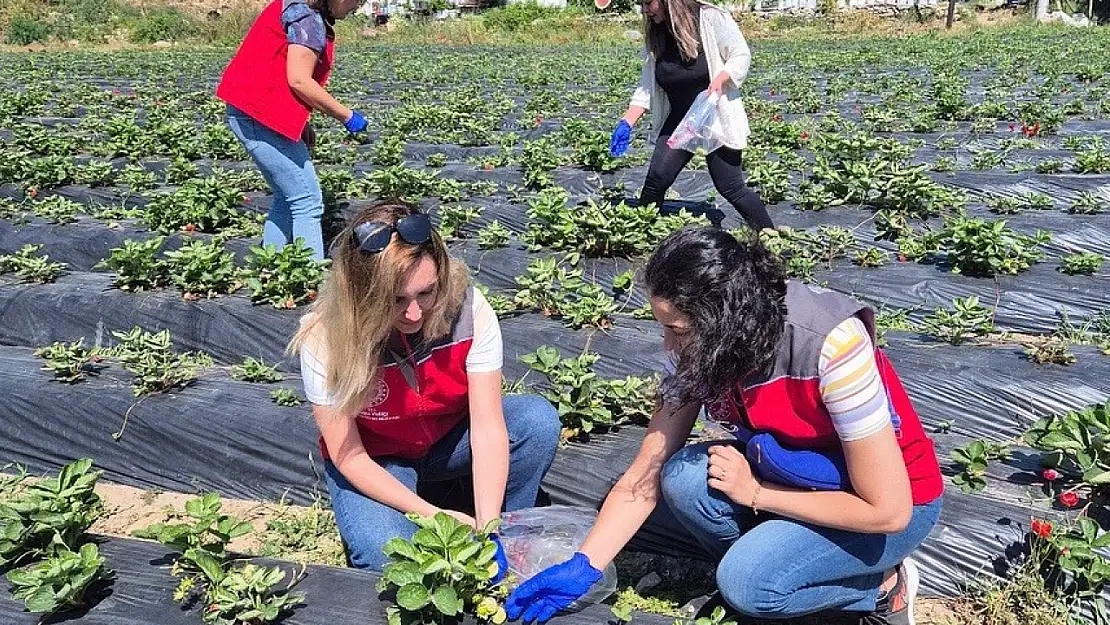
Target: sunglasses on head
{"type": "Point", "coordinates": [372, 237]}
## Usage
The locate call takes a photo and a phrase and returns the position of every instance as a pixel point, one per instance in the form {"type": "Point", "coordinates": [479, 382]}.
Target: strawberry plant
{"type": "Point", "coordinates": [443, 573]}
{"type": "Point", "coordinates": [968, 319]}
{"type": "Point", "coordinates": [202, 562]}
{"type": "Point", "coordinates": [285, 397]}
{"type": "Point", "coordinates": [95, 174]}
{"type": "Point", "coordinates": [137, 265]}
{"type": "Point", "coordinates": [255, 370]}
{"type": "Point", "coordinates": [592, 152]}
{"type": "Point", "coordinates": [972, 459]}
{"type": "Point", "coordinates": [204, 205]}
{"type": "Point", "coordinates": [1087, 203]}
{"type": "Point", "coordinates": [985, 248]}
{"type": "Point", "coordinates": [871, 257]}
{"type": "Point", "coordinates": [247, 595]}
{"type": "Point", "coordinates": [1081, 263]}
{"type": "Point", "coordinates": [1077, 445]}
{"type": "Point", "coordinates": [452, 220]}
{"type": "Point", "coordinates": [203, 536]}
{"type": "Point", "coordinates": [436, 160]}
{"type": "Point", "coordinates": [599, 230]}
{"type": "Point", "coordinates": [69, 362]}
{"type": "Point", "coordinates": [622, 282]}
{"type": "Point", "coordinates": [150, 357]}
{"type": "Point", "coordinates": [57, 209]}
{"type": "Point", "coordinates": [1050, 351]}
{"type": "Point", "coordinates": [50, 515]}
{"type": "Point", "coordinates": [31, 268]}
{"type": "Point", "coordinates": [180, 171]}
{"type": "Point", "coordinates": [1049, 166]}
{"type": "Point", "coordinates": [772, 179]}
{"type": "Point", "coordinates": [493, 236]}
{"type": "Point", "coordinates": [538, 159]}
{"type": "Point", "coordinates": [202, 269]}
{"type": "Point", "coordinates": [284, 278]}
{"type": "Point", "coordinates": [59, 582]}
{"type": "Point", "coordinates": [389, 151]}
{"type": "Point", "coordinates": [557, 290]}
{"type": "Point", "coordinates": [1094, 158]}
{"type": "Point", "coordinates": [1078, 551]}
{"type": "Point", "coordinates": [586, 402]}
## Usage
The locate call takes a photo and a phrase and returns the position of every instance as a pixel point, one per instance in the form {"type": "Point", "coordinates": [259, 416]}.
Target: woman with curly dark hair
{"type": "Point", "coordinates": [831, 482]}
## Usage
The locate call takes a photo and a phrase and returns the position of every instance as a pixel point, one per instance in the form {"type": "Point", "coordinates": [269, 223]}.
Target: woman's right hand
{"type": "Point", "coordinates": [618, 142]}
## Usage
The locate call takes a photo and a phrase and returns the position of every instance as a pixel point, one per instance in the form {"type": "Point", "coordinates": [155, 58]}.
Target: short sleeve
{"type": "Point", "coordinates": [314, 374]}
{"type": "Point", "coordinates": [304, 26]}
{"type": "Point", "coordinates": [851, 385]}
{"type": "Point", "coordinates": [486, 353]}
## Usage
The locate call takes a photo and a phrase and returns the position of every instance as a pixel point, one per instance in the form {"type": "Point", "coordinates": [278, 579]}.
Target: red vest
{"type": "Point", "coordinates": [787, 401]}
{"type": "Point", "coordinates": [405, 417]}
{"type": "Point", "coordinates": [256, 82]}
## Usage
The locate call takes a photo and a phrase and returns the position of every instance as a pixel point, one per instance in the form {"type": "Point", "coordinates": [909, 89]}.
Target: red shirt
{"type": "Point", "coordinates": [256, 81]}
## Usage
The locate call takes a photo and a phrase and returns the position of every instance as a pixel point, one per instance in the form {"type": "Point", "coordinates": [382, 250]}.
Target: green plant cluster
{"type": "Point", "coordinates": [51, 563]}
{"type": "Point", "coordinates": [586, 402]}
{"type": "Point", "coordinates": [443, 573]}
{"type": "Point", "coordinates": [232, 595]}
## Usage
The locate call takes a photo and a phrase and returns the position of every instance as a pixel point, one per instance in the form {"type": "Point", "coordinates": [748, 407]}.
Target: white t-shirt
{"type": "Point", "coordinates": [485, 356]}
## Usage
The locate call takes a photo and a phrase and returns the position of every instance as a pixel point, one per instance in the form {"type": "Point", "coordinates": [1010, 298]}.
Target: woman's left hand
{"type": "Point", "coordinates": [730, 473]}
{"type": "Point", "coordinates": [717, 87]}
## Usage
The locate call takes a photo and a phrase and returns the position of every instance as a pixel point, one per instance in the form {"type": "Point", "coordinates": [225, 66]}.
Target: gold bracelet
{"type": "Point", "coordinates": [755, 497]}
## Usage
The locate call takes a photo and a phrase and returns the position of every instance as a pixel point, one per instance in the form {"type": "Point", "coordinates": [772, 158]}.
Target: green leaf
{"type": "Point", "coordinates": [427, 539]}
{"type": "Point", "coordinates": [446, 600]}
{"type": "Point", "coordinates": [403, 573]}
{"type": "Point", "coordinates": [210, 567]}
{"type": "Point", "coordinates": [436, 566]}
{"type": "Point", "coordinates": [401, 547]}
{"type": "Point", "coordinates": [42, 601]}
{"type": "Point", "coordinates": [412, 597]}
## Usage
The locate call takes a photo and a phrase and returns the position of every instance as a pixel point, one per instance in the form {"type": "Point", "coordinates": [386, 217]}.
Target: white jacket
{"type": "Point", "coordinates": [725, 50]}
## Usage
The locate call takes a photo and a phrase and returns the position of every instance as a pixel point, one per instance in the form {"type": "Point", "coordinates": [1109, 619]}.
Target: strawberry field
{"type": "Point", "coordinates": [960, 185]}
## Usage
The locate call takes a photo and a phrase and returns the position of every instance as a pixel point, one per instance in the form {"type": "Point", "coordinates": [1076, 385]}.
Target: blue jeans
{"type": "Point", "coordinates": [365, 524]}
{"type": "Point", "coordinates": [298, 202]}
{"type": "Point", "coordinates": [780, 568]}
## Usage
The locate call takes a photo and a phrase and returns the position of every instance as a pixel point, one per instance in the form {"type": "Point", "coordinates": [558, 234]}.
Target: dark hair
{"type": "Point", "coordinates": [734, 293]}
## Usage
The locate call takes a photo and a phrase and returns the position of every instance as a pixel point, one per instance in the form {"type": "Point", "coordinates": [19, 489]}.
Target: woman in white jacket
{"type": "Point", "coordinates": [692, 47]}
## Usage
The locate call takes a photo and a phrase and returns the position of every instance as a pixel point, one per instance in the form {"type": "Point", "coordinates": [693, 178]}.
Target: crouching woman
{"type": "Point", "coordinates": [401, 358]}
{"type": "Point", "coordinates": [830, 483]}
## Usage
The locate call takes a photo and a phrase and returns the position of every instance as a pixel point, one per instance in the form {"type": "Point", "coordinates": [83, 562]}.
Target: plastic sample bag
{"type": "Point", "coordinates": [536, 538]}
{"type": "Point", "coordinates": [699, 128]}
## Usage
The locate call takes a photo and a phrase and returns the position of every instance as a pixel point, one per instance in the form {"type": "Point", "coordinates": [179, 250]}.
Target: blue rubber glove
{"type": "Point", "coordinates": [500, 559]}
{"type": "Point", "coordinates": [356, 124]}
{"type": "Point", "coordinates": [552, 589]}
{"type": "Point", "coordinates": [618, 143]}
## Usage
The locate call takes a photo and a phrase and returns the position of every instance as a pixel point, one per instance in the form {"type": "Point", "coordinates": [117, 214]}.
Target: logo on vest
{"type": "Point", "coordinates": [381, 393]}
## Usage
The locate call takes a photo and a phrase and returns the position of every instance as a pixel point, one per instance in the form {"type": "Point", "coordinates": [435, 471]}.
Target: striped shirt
{"type": "Point", "coordinates": [851, 386]}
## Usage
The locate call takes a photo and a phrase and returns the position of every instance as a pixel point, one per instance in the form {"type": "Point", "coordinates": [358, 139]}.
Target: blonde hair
{"type": "Point", "coordinates": [683, 23]}
{"type": "Point", "coordinates": [352, 319]}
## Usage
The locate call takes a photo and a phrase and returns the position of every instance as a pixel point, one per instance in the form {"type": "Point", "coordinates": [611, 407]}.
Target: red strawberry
{"type": "Point", "coordinates": [1042, 528]}
{"type": "Point", "coordinates": [189, 228]}
{"type": "Point", "coordinates": [1068, 500]}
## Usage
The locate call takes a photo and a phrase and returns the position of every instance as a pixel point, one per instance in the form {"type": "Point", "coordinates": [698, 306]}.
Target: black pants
{"type": "Point", "coordinates": [724, 168]}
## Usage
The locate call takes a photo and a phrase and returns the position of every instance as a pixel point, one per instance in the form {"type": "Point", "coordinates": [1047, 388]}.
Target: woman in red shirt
{"type": "Point", "coordinates": [831, 481]}
{"type": "Point", "coordinates": [272, 85]}
{"type": "Point", "coordinates": [401, 359]}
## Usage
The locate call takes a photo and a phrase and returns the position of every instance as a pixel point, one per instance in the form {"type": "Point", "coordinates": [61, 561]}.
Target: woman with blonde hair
{"type": "Point", "coordinates": [692, 47]}
{"type": "Point", "coordinates": [401, 358]}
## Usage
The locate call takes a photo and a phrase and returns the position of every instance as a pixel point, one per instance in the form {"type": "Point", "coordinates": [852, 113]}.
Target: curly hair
{"type": "Point", "coordinates": [734, 291]}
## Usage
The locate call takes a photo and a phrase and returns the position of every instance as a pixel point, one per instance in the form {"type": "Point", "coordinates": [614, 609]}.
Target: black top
{"type": "Point", "coordinates": [680, 79]}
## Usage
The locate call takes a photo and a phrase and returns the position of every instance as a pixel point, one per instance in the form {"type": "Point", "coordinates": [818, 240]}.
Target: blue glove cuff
{"type": "Point", "coordinates": [357, 123]}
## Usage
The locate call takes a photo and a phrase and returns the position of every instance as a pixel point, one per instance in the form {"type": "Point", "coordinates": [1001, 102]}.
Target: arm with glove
{"type": "Point", "coordinates": [625, 509]}
{"type": "Point", "coordinates": [641, 103]}
{"type": "Point", "coordinates": [299, 67]}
